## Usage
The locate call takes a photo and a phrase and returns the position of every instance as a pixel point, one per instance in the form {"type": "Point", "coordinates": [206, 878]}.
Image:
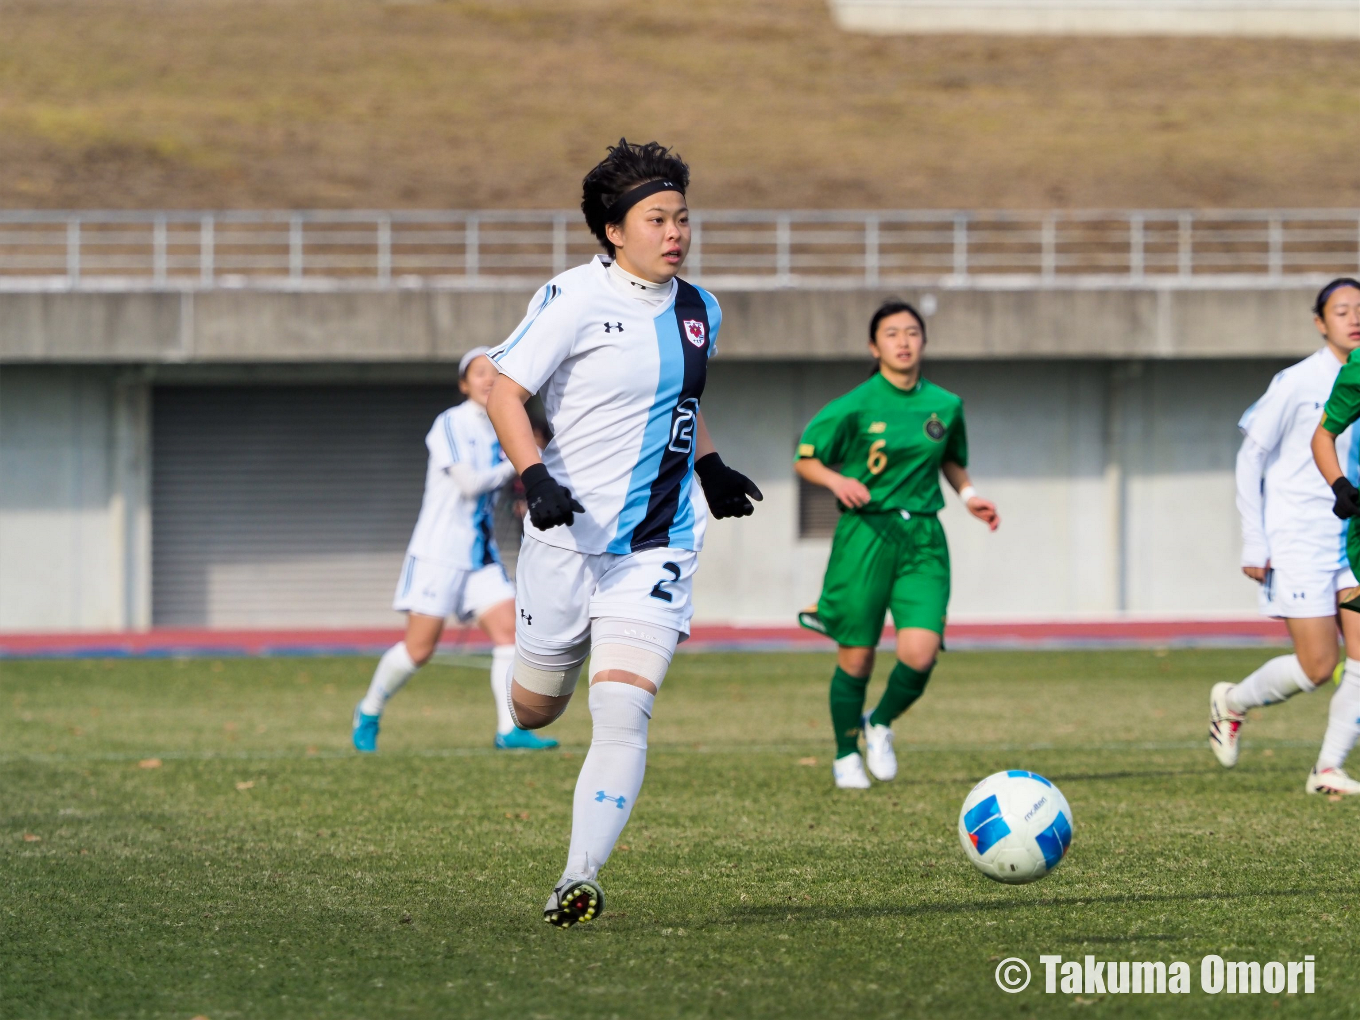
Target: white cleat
{"type": "Point", "coordinates": [849, 773]}
{"type": "Point", "coordinates": [1331, 781]}
{"type": "Point", "coordinates": [1224, 725]}
{"type": "Point", "coordinates": [879, 744]}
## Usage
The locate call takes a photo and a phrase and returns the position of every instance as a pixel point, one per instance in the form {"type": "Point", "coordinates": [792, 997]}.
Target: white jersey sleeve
{"type": "Point", "coordinates": [1251, 504]}
{"type": "Point", "coordinates": [441, 443]}
{"type": "Point", "coordinates": [472, 482]}
{"type": "Point", "coordinates": [1265, 421]}
{"type": "Point", "coordinates": [545, 338]}
{"type": "Point", "coordinates": [1262, 426]}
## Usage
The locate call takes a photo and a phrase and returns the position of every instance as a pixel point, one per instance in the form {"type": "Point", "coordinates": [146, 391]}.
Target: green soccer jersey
{"type": "Point", "coordinates": [1343, 406]}
{"type": "Point", "coordinates": [892, 440]}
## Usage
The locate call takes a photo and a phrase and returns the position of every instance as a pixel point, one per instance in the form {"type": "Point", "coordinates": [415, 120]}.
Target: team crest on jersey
{"type": "Point", "coordinates": [877, 428]}
{"type": "Point", "coordinates": [935, 428]}
{"type": "Point", "coordinates": [694, 332]}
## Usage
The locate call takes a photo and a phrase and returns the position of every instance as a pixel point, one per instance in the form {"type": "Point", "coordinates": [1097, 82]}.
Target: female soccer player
{"type": "Point", "coordinates": [891, 437]}
{"type": "Point", "coordinates": [452, 564]}
{"type": "Point", "coordinates": [1294, 547]}
{"type": "Point", "coordinates": [619, 350]}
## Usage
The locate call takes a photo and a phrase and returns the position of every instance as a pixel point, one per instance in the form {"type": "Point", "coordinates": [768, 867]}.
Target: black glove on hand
{"type": "Point", "coordinates": [1347, 498]}
{"type": "Point", "coordinates": [550, 504]}
{"type": "Point", "coordinates": [725, 489]}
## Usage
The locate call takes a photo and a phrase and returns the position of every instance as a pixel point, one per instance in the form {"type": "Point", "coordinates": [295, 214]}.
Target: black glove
{"type": "Point", "coordinates": [1347, 498]}
{"type": "Point", "coordinates": [725, 489]}
{"type": "Point", "coordinates": [550, 504]}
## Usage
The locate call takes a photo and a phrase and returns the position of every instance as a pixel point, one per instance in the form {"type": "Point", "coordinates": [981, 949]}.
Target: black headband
{"type": "Point", "coordinates": [628, 199]}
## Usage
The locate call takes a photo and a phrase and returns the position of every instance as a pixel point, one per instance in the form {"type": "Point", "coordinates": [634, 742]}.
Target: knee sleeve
{"type": "Point", "coordinates": [642, 649]}
{"type": "Point", "coordinates": [551, 674]}
{"type": "Point", "coordinates": [620, 714]}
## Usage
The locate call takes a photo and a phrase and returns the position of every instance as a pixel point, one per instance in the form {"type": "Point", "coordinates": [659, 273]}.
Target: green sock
{"type": "Point", "coordinates": [847, 706]}
{"type": "Point", "coordinates": [904, 686]}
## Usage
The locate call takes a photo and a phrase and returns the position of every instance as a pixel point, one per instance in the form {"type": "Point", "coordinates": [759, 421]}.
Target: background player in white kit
{"type": "Point", "coordinates": [452, 566]}
{"type": "Point", "coordinates": [619, 350]}
{"type": "Point", "coordinates": [1295, 546]}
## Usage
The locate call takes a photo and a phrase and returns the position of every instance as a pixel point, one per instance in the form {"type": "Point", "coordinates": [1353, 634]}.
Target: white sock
{"type": "Point", "coordinates": [394, 669]}
{"type": "Point", "coordinates": [611, 775]}
{"type": "Point", "coordinates": [502, 662]}
{"type": "Point", "coordinates": [1278, 680]}
{"type": "Point", "coordinates": [1343, 719]}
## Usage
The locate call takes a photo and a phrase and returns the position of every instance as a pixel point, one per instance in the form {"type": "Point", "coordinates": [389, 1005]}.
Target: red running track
{"type": "Point", "coordinates": [218, 643]}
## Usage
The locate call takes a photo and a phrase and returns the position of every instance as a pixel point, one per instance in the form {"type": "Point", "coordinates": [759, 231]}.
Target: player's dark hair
{"type": "Point", "coordinates": [1325, 294]}
{"type": "Point", "coordinates": [895, 306]}
{"type": "Point", "coordinates": [624, 168]}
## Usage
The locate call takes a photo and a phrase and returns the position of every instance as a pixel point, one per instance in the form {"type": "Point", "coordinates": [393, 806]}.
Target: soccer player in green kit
{"type": "Point", "coordinates": [890, 437]}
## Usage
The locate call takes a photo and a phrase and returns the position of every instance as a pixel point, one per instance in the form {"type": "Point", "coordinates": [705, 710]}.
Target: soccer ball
{"type": "Point", "coordinates": [1015, 826]}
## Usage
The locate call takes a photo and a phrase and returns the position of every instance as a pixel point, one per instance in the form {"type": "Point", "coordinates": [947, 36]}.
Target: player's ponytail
{"type": "Point", "coordinates": [1325, 294]}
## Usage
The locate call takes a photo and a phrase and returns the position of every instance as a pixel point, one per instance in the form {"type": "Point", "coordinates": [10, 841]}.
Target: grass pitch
{"type": "Point", "coordinates": [263, 870]}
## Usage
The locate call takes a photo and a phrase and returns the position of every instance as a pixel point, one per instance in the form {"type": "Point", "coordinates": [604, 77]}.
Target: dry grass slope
{"type": "Point", "coordinates": [133, 103]}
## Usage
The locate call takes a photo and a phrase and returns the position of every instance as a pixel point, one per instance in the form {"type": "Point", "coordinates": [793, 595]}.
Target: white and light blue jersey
{"type": "Point", "coordinates": [621, 380]}
{"type": "Point", "coordinates": [456, 530]}
{"type": "Point", "coordinates": [1285, 504]}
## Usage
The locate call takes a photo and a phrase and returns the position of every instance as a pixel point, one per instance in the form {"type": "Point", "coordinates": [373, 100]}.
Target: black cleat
{"type": "Point", "coordinates": [574, 901]}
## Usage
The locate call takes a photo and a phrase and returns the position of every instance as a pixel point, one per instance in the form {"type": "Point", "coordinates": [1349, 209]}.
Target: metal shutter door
{"type": "Point", "coordinates": [284, 506]}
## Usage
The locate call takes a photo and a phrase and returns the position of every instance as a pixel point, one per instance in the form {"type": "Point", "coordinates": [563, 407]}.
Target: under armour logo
{"type": "Point", "coordinates": [619, 801]}
{"type": "Point", "coordinates": [609, 327]}
{"type": "Point", "coordinates": [528, 618]}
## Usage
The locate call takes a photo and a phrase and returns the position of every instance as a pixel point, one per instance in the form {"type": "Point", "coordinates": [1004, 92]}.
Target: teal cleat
{"type": "Point", "coordinates": [519, 740]}
{"type": "Point", "coordinates": [365, 731]}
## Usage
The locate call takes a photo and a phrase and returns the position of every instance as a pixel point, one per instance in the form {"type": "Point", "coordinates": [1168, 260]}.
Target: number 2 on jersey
{"type": "Point", "coordinates": [878, 460]}
{"type": "Point", "coordinates": [658, 590]}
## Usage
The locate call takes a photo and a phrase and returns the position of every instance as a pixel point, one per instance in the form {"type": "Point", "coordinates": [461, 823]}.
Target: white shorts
{"type": "Point", "coordinates": [558, 592]}
{"type": "Point", "coordinates": [433, 589]}
{"type": "Point", "coordinates": [1303, 594]}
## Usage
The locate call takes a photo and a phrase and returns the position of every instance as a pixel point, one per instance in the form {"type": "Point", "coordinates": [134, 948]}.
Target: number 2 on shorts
{"type": "Point", "coordinates": [658, 590]}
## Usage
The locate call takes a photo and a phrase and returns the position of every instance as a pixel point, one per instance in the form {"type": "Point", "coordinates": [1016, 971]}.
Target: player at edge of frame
{"type": "Point", "coordinates": [1294, 540]}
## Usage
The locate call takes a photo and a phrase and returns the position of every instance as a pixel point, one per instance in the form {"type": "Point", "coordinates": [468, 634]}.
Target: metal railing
{"type": "Point", "coordinates": [730, 247]}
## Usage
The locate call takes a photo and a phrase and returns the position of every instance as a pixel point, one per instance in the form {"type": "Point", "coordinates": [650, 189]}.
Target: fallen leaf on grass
{"type": "Point", "coordinates": [311, 751]}
{"type": "Point", "coordinates": [807, 761]}
{"type": "Point", "coordinates": [406, 919]}
{"type": "Point", "coordinates": [30, 837]}
{"type": "Point", "coordinates": [149, 763]}
{"type": "Point", "coordinates": [248, 784]}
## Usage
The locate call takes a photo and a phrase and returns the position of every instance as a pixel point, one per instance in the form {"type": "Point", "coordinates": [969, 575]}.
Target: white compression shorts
{"type": "Point", "coordinates": [641, 649]}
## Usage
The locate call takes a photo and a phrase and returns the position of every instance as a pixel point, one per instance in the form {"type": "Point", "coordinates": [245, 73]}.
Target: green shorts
{"type": "Point", "coordinates": [881, 562]}
{"type": "Point", "coordinates": [1353, 545]}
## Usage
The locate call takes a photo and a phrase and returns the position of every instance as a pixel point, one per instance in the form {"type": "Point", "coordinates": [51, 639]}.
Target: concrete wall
{"type": "Point", "coordinates": [430, 325]}
{"type": "Point", "coordinates": [1102, 420]}
{"type": "Point", "coordinates": [1114, 481]}
{"type": "Point", "coordinates": [75, 521]}
{"type": "Point", "coordinates": [1316, 19]}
